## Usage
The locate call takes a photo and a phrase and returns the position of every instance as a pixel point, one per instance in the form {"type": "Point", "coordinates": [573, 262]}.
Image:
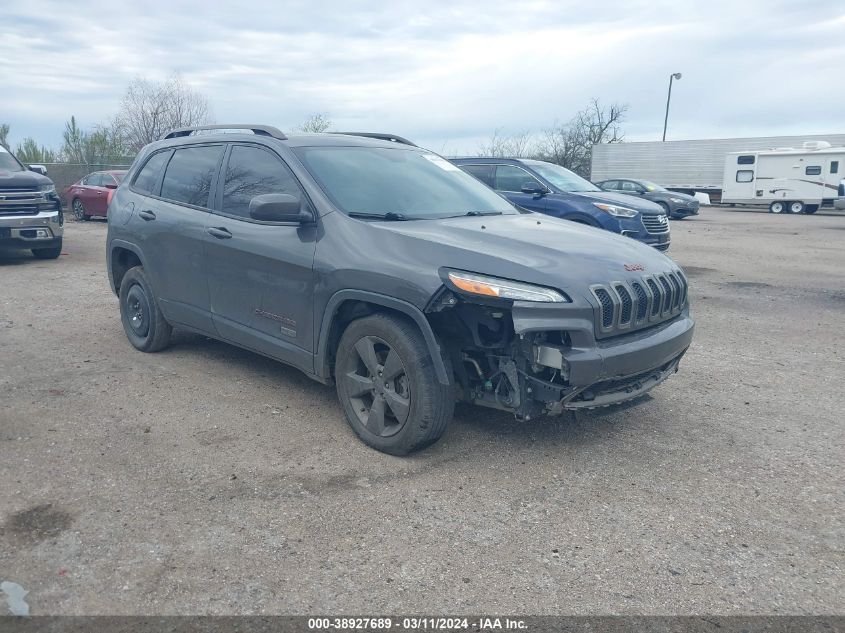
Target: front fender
{"type": "Point", "coordinates": [321, 365]}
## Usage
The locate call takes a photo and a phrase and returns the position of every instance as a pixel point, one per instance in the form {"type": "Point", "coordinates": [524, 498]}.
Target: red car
{"type": "Point", "coordinates": [91, 195]}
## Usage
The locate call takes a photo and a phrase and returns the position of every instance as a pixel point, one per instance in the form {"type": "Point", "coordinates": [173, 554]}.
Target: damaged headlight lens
{"type": "Point", "coordinates": [616, 210]}
{"type": "Point", "coordinates": [485, 286]}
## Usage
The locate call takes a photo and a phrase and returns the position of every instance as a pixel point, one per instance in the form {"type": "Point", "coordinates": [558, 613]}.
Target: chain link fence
{"type": "Point", "coordinates": [64, 175]}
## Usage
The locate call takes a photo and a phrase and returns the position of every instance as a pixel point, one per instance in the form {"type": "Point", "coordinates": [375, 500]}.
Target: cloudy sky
{"type": "Point", "coordinates": [446, 74]}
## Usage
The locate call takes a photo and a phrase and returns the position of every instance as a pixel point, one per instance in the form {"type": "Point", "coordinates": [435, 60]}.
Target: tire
{"type": "Point", "coordinates": [48, 253]}
{"type": "Point", "coordinates": [796, 207]}
{"type": "Point", "coordinates": [810, 209]}
{"type": "Point", "coordinates": [399, 413]}
{"type": "Point", "coordinates": [78, 209]}
{"type": "Point", "coordinates": [144, 324]}
{"type": "Point", "coordinates": [778, 206]}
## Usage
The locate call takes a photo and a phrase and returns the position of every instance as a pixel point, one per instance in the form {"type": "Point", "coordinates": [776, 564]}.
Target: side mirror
{"type": "Point", "coordinates": [38, 169]}
{"type": "Point", "coordinates": [111, 186]}
{"type": "Point", "coordinates": [278, 207]}
{"type": "Point", "coordinates": [534, 187]}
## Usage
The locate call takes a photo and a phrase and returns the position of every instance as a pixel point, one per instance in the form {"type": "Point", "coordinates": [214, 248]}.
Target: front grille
{"type": "Point", "coordinates": [656, 224]}
{"type": "Point", "coordinates": [21, 202]}
{"type": "Point", "coordinates": [627, 306]}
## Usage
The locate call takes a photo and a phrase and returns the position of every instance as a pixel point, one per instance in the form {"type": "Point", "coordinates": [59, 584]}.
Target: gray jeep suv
{"type": "Point", "coordinates": [384, 269]}
{"type": "Point", "coordinates": [30, 210]}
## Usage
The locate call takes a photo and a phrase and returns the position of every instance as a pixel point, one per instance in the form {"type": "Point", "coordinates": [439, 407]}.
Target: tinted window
{"type": "Point", "coordinates": [744, 175]}
{"type": "Point", "coordinates": [813, 170]}
{"type": "Point", "coordinates": [745, 160]}
{"type": "Point", "coordinates": [148, 176]}
{"type": "Point", "coordinates": [189, 174]}
{"type": "Point", "coordinates": [251, 172]}
{"type": "Point", "coordinates": [483, 172]}
{"type": "Point", "coordinates": [93, 180]}
{"type": "Point", "coordinates": [609, 185]}
{"type": "Point", "coordinates": [511, 178]}
{"type": "Point", "coordinates": [380, 180]}
{"type": "Point", "coordinates": [627, 185]}
{"type": "Point", "coordinates": [108, 179]}
{"type": "Point", "coordinates": [834, 167]}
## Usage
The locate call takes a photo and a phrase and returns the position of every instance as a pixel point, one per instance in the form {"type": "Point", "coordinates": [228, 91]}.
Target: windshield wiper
{"type": "Point", "coordinates": [477, 213]}
{"type": "Point", "coordinates": [390, 216]}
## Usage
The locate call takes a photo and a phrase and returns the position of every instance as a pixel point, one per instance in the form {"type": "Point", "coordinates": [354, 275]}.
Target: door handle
{"type": "Point", "coordinates": [219, 232]}
{"type": "Point", "coordinates": [147, 215]}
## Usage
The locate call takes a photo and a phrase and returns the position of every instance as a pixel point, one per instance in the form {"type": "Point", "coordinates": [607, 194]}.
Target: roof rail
{"type": "Point", "coordinates": [260, 130]}
{"type": "Point", "coordinates": [381, 136]}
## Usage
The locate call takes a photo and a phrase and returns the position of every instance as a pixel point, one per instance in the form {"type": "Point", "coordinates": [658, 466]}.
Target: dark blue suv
{"type": "Point", "coordinates": [551, 189]}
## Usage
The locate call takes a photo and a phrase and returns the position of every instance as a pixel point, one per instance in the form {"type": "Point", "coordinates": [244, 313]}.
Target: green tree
{"type": "Point", "coordinates": [4, 134]}
{"type": "Point", "coordinates": [30, 152]}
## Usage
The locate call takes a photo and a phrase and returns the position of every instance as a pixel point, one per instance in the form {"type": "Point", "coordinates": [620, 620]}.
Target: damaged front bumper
{"type": "Point", "coordinates": [588, 372]}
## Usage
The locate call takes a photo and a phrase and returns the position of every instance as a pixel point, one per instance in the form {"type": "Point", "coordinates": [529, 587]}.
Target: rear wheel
{"type": "Point", "coordinates": [796, 207]}
{"type": "Point", "coordinates": [777, 207]}
{"type": "Point", "coordinates": [387, 385]}
{"type": "Point", "coordinates": [144, 324]}
{"type": "Point", "coordinates": [48, 253]}
{"type": "Point", "coordinates": [78, 209]}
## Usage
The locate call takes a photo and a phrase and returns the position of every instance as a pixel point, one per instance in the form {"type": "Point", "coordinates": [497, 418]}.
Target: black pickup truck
{"type": "Point", "coordinates": [30, 210]}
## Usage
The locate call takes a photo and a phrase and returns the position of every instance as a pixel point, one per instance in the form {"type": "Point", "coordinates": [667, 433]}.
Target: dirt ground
{"type": "Point", "coordinates": [206, 479]}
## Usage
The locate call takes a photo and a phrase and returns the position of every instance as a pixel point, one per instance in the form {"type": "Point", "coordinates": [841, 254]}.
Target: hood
{"type": "Point", "coordinates": [22, 179]}
{"type": "Point", "coordinates": [675, 194]}
{"type": "Point", "coordinates": [623, 200]}
{"type": "Point", "coordinates": [530, 247]}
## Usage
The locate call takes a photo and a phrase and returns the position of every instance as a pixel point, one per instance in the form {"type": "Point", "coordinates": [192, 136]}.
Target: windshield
{"type": "Point", "coordinates": [650, 186]}
{"type": "Point", "coordinates": [9, 162]}
{"type": "Point", "coordinates": [561, 177]}
{"type": "Point", "coordinates": [410, 183]}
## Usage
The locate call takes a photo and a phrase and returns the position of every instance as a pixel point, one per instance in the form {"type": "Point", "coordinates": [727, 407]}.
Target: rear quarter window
{"type": "Point", "coordinates": [147, 178]}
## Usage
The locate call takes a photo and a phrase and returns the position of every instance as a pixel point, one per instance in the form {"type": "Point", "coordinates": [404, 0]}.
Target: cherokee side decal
{"type": "Point", "coordinates": [287, 327]}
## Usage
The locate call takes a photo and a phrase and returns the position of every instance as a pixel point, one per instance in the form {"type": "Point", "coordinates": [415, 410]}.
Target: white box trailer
{"type": "Point", "coordinates": [688, 166]}
{"type": "Point", "coordinates": [787, 180]}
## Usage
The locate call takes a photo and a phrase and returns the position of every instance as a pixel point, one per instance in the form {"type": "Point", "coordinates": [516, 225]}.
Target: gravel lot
{"type": "Point", "coordinates": [206, 479]}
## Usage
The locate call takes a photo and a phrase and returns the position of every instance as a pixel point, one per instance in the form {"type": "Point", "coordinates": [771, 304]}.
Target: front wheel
{"type": "Point", "coordinates": [387, 385]}
{"type": "Point", "coordinates": [48, 253]}
{"type": "Point", "coordinates": [144, 324]}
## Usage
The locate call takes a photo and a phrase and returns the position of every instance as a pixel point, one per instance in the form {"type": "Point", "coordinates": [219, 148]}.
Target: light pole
{"type": "Point", "coordinates": [668, 99]}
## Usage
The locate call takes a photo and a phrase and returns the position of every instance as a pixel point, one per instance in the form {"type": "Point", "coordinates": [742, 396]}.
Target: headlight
{"type": "Point", "coordinates": [47, 189]}
{"type": "Point", "coordinates": [504, 288]}
{"type": "Point", "coordinates": [616, 210]}
{"type": "Point", "coordinates": [677, 200]}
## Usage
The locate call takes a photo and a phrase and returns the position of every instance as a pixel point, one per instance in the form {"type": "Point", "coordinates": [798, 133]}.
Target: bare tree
{"type": "Point", "coordinates": [4, 134]}
{"type": "Point", "coordinates": [151, 108]}
{"type": "Point", "coordinates": [519, 145]}
{"type": "Point", "coordinates": [571, 144]}
{"type": "Point", "coordinates": [316, 123]}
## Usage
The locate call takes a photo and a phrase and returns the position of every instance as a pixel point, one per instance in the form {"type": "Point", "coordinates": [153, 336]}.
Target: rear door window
{"type": "Point", "coordinates": [190, 175]}
{"type": "Point", "coordinates": [93, 180]}
{"type": "Point", "coordinates": [483, 172]}
{"type": "Point", "coordinates": [253, 171]}
{"type": "Point", "coordinates": [147, 178]}
{"type": "Point", "coordinates": [610, 184]}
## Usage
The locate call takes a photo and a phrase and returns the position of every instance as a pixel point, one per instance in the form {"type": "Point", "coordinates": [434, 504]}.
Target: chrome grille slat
{"type": "Point", "coordinates": [655, 225]}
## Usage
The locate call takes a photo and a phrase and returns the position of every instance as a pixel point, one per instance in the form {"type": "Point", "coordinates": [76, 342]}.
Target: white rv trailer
{"type": "Point", "coordinates": [785, 179]}
{"type": "Point", "coordinates": [688, 166]}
